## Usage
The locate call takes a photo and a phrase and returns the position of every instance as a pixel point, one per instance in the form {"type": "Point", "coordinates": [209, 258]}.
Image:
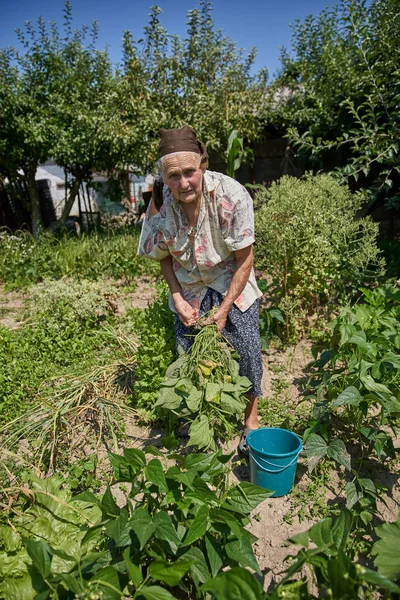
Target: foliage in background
{"type": "Point", "coordinates": [61, 98]}
{"type": "Point", "coordinates": [60, 101]}
{"type": "Point", "coordinates": [311, 244]}
{"type": "Point", "coordinates": [343, 86]}
{"type": "Point", "coordinates": [203, 387]}
{"type": "Point", "coordinates": [91, 256]}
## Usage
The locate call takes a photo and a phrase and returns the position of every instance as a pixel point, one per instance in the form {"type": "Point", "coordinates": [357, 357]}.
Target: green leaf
{"type": "Point", "coordinates": [352, 494]}
{"type": "Point", "coordinates": [341, 528]}
{"type": "Point", "coordinates": [214, 554]}
{"type": "Point", "coordinates": [241, 551]}
{"type": "Point", "coordinates": [40, 556]}
{"type": "Point", "coordinates": [169, 573]}
{"type": "Point", "coordinates": [134, 571]}
{"type": "Point", "coordinates": [374, 386]}
{"type": "Point", "coordinates": [184, 385]}
{"type": "Point", "coordinates": [119, 530]}
{"type": "Point", "coordinates": [316, 448]}
{"type": "Point", "coordinates": [135, 457]}
{"type": "Point", "coordinates": [337, 451]}
{"type": "Point", "coordinates": [349, 396]}
{"type": "Point", "coordinates": [379, 580]}
{"type": "Point", "coordinates": [387, 549]}
{"type": "Point", "coordinates": [245, 497]}
{"type": "Point", "coordinates": [212, 392]}
{"type": "Point", "coordinates": [165, 530]}
{"type": "Point", "coordinates": [193, 400]}
{"type": "Point", "coordinates": [168, 399]}
{"type": "Point", "coordinates": [197, 527]}
{"type": "Point", "coordinates": [200, 433]}
{"type": "Point", "coordinates": [236, 584]}
{"type": "Point", "coordinates": [154, 592]}
{"type": "Point", "coordinates": [143, 526]}
{"type": "Point", "coordinates": [113, 583]}
{"type": "Point", "coordinates": [108, 504]}
{"type": "Point", "coordinates": [154, 472]}
{"type": "Point", "coordinates": [199, 568]}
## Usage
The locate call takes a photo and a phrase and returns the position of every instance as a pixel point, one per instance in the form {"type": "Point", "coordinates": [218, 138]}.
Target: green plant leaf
{"type": "Point", "coordinates": [154, 472]}
{"type": "Point", "coordinates": [169, 573]}
{"type": "Point", "coordinates": [134, 571]}
{"type": "Point", "coordinates": [119, 530]}
{"type": "Point", "coordinates": [199, 568]}
{"type": "Point", "coordinates": [165, 530]}
{"type": "Point", "coordinates": [114, 582]}
{"type": "Point", "coordinates": [236, 584]}
{"type": "Point", "coordinates": [197, 527]}
{"type": "Point", "coordinates": [349, 396]}
{"type": "Point", "coordinates": [386, 549]}
{"type": "Point", "coordinates": [193, 400]}
{"type": "Point", "coordinates": [214, 554]}
{"type": "Point", "coordinates": [243, 498]}
{"type": "Point", "coordinates": [341, 528]}
{"type": "Point", "coordinates": [212, 392]}
{"type": "Point", "coordinates": [316, 448]}
{"type": "Point", "coordinates": [108, 504]}
{"type": "Point", "coordinates": [200, 433]}
{"type": "Point", "coordinates": [143, 526]}
{"type": "Point", "coordinates": [41, 558]}
{"type": "Point", "coordinates": [337, 451]}
{"type": "Point", "coordinates": [154, 592]}
{"type": "Point", "coordinates": [352, 495]}
{"type": "Point", "coordinates": [168, 399]}
{"type": "Point", "coordinates": [241, 551]}
{"type": "Point", "coordinates": [379, 580]}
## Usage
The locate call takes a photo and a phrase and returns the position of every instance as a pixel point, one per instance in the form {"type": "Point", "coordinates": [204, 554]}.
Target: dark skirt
{"type": "Point", "coordinates": [242, 330]}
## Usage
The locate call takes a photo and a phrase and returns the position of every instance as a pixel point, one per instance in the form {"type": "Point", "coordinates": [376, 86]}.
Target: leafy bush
{"type": "Point", "coordinates": [95, 255]}
{"type": "Point", "coordinates": [311, 244]}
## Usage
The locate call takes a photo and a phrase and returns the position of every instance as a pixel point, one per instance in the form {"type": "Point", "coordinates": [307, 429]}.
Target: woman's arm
{"type": "Point", "coordinates": [244, 264]}
{"type": "Point", "coordinates": [186, 313]}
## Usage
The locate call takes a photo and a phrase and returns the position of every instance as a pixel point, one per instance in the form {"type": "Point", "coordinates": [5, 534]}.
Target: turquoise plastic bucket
{"type": "Point", "coordinates": [273, 454]}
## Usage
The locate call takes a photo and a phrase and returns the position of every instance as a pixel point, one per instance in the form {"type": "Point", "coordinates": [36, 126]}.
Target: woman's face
{"type": "Point", "coordinates": [183, 175]}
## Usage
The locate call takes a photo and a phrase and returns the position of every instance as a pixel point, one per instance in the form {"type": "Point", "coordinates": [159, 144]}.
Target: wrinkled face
{"type": "Point", "coordinates": [183, 175]}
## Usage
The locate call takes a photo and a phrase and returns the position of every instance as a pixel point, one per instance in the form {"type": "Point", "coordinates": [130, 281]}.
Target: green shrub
{"type": "Point", "coordinates": [312, 245]}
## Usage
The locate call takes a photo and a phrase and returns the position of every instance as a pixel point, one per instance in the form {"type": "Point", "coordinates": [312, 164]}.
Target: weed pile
{"type": "Point", "coordinates": [204, 387]}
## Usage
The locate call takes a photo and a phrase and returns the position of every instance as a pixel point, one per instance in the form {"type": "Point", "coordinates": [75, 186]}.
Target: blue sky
{"type": "Point", "coordinates": [261, 23]}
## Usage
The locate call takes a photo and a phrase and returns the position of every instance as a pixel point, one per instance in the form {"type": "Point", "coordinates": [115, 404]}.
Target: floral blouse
{"type": "Point", "coordinates": [225, 224]}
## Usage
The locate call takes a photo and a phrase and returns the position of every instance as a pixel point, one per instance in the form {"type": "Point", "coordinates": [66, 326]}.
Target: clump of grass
{"type": "Point", "coordinates": [74, 410]}
{"type": "Point", "coordinates": [94, 255]}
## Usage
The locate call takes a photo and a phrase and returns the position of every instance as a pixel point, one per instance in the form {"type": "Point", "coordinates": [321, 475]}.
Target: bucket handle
{"type": "Point", "coordinates": [280, 470]}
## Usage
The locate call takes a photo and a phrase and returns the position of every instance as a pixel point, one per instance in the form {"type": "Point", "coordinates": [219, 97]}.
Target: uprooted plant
{"type": "Point", "coordinates": [204, 387]}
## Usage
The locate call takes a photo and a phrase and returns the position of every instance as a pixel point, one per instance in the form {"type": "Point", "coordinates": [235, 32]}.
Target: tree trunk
{"type": "Point", "coordinates": [67, 208]}
{"type": "Point", "coordinates": [35, 200]}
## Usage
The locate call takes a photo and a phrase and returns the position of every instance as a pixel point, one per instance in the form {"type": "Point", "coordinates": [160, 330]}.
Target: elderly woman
{"type": "Point", "coordinates": [201, 230]}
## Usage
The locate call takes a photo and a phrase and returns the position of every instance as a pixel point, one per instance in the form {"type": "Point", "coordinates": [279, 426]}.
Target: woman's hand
{"type": "Point", "coordinates": [219, 318]}
{"type": "Point", "coordinates": [186, 313]}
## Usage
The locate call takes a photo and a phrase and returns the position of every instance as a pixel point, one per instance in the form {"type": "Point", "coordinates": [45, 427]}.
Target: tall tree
{"type": "Point", "coordinates": [201, 79]}
{"type": "Point", "coordinates": [343, 86]}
